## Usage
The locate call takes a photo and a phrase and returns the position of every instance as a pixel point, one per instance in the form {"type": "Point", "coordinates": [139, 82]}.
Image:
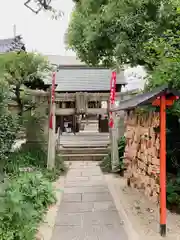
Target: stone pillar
{"type": "Point", "coordinates": [63, 105]}
{"type": "Point", "coordinates": [114, 144]}
{"type": "Point", "coordinates": [52, 137]}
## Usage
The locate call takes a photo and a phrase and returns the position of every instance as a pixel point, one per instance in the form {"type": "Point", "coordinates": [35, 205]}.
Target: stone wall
{"type": "Point", "coordinates": [141, 155]}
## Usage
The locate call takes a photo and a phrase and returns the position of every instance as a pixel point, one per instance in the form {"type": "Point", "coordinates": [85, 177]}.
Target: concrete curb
{"type": "Point", "coordinates": [45, 230]}
{"type": "Point", "coordinates": [116, 194]}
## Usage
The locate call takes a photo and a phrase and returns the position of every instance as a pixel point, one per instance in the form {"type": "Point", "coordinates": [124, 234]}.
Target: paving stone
{"type": "Point", "coordinates": [78, 178]}
{"type": "Point", "coordinates": [72, 233]}
{"type": "Point", "coordinates": [84, 183]}
{"type": "Point", "coordinates": [74, 173]}
{"type": "Point", "coordinates": [90, 173]}
{"type": "Point", "coordinates": [95, 189]}
{"type": "Point", "coordinates": [96, 197]}
{"type": "Point", "coordinates": [95, 232]}
{"type": "Point", "coordinates": [69, 219]}
{"type": "Point", "coordinates": [96, 178]}
{"type": "Point", "coordinates": [74, 197]}
{"type": "Point", "coordinates": [104, 206]}
{"type": "Point", "coordinates": [106, 231]}
{"type": "Point", "coordinates": [115, 235]}
{"type": "Point", "coordinates": [76, 207]}
{"type": "Point", "coordinates": [87, 211]}
{"type": "Point", "coordinates": [101, 218]}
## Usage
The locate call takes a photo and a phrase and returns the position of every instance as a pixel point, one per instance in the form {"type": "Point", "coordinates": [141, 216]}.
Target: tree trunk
{"type": "Point", "coordinates": [18, 99]}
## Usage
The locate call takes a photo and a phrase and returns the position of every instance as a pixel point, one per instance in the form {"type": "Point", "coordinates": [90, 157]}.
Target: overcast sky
{"type": "Point", "coordinates": [39, 32]}
{"type": "Point", "coordinates": [42, 34]}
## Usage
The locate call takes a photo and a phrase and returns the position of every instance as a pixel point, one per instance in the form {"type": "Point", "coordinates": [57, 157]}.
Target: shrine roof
{"type": "Point", "coordinates": [64, 60]}
{"type": "Point", "coordinates": [145, 98]}
{"type": "Point", "coordinates": [74, 78]}
{"type": "Point", "coordinates": [11, 44]}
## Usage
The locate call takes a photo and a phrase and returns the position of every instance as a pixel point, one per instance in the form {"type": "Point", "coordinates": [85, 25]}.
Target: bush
{"type": "Point", "coordinates": [106, 165]}
{"type": "Point", "coordinates": [121, 149]}
{"type": "Point", "coordinates": [35, 160]}
{"type": "Point", "coordinates": [173, 192]}
{"type": "Point", "coordinates": [8, 126]}
{"type": "Point", "coordinates": [23, 201]}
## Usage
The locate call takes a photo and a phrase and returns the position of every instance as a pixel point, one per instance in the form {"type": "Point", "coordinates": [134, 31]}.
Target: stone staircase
{"type": "Point", "coordinates": [85, 146]}
{"type": "Point", "coordinates": [83, 153]}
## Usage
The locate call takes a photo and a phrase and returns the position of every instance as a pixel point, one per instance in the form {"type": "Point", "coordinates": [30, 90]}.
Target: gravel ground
{"type": "Point", "coordinates": [143, 214]}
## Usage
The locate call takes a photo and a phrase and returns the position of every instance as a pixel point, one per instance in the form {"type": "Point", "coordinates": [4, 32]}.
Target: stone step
{"type": "Point", "coordinates": [83, 157]}
{"type": "Point", "coordinates": [90, 150]}
{"type": "Point", "coordinates": [83, 145]}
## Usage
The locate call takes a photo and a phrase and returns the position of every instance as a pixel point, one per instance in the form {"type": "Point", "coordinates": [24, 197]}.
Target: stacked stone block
{"type": "Point", "coordinates": [141, 155]}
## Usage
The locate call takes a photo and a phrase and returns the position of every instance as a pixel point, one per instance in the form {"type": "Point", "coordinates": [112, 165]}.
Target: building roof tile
{"type": "Point", "coordinates": [145, 98]}
{"type": "Point", "coordinates": [85, 79]}
{"type": "Point", "coordinates": [11, 44]}
{"type": "Point", "coordinates": [74, 75]}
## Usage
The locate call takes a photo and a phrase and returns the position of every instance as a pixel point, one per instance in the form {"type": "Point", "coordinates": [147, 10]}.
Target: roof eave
{"type": "Point", "coordinates": [143, 99]}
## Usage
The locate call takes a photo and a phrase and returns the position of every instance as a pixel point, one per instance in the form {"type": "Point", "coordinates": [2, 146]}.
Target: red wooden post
{"type": "Point", "coordinates": [163, 165]}
{"type": "Point", "coordinates": [162, 102]}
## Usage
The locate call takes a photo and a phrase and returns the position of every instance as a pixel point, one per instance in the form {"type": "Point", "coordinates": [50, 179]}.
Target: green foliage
{"type": "Point", "coordinates": [106, 165]}
{"type": "Point", "coordinates": [105, 31]}
{"type": "Point", "coordinates": [8, 126]}
{"type": "Point", "coordinates": [163, 52]}
{"type": "Point", "coordinates": [23, 201]}
{"type": "Point", "coordinates": [121, 149]}
{"type": "Point", "coordinates": [32, 160]}
{"type": "Point", "coordinates": [26, 192]}
{"type": "Point", "coordinates": [8, 131]}
{"type": "Point", "coordinates": [34, 151]}
{"type": "Point", "coordinates": [173, 193]}
{"type": "Point", "coordinates": [137, 32]}
{"type": "Point", "coordinates": [23, 69]}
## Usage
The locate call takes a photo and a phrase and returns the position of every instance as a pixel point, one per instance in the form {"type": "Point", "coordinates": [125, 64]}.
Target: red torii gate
{"type": "Point", "coordinates": [162, 97]}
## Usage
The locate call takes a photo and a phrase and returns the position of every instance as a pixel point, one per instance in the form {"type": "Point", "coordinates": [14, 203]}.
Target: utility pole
{"type": "Point", "coordinates": [14, 30]}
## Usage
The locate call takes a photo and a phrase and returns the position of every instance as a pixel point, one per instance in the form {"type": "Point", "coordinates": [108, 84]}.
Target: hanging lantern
{"type": "Point", "coordinates": [37, 5]}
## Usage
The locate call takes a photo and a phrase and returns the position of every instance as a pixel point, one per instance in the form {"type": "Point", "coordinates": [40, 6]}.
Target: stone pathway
{"type": "Point", "coordinates": [87, 210]}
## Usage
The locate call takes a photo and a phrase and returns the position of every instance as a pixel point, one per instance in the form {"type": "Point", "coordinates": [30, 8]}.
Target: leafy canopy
{"type": "Point", "coordinates": [23, 69]}
{"type": "Point", "coordinates": [108, 31]}
{"type": "Point", "coordinates": [8, 124]}
{"type": "Point", "coordinates": [165, 55]}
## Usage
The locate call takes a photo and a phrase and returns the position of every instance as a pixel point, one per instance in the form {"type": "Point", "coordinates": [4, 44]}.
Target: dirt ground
{"type": "Point", "coordinates": [140, 213]}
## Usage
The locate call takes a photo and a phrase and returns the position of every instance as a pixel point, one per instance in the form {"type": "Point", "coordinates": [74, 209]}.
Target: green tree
{"type": "Point", "coordinates": [8, 126]}
{"type": "Point", "coordinates": [164, 54]}
{"type": "Point", "coordinates": [23, 70]}
{"type": "Point", "coordinates": [108, 31]}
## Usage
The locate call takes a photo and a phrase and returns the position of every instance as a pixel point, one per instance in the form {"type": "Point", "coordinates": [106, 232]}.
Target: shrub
{"type": "Point", "coordinates": [8, 126]}
{"type": "Point", "coordinates": [106, 165]}
{"type": "Point", "coordinates": [121, 149]}
{"type": "Point", "coordinates": [36, 160]}
{"type": "Point", "coordinates": [173, 192]}
{"type": "Point", "coordinates": [23, 200]}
